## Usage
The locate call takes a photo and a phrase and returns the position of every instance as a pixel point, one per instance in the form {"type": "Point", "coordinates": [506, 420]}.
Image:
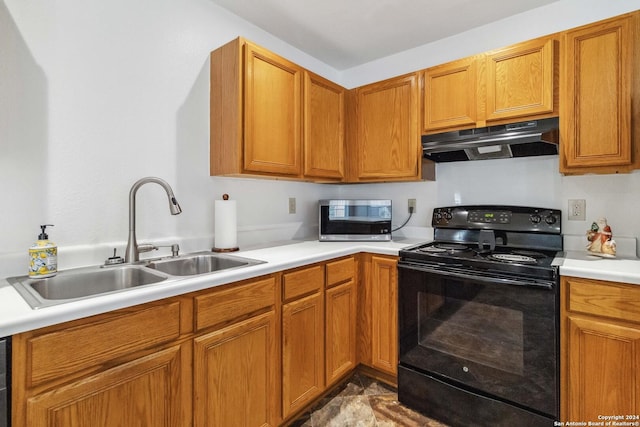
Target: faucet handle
{"type": "Point", "coordinates": [115, 259]}
{"type": "Point", "coordinates": [147, 247]}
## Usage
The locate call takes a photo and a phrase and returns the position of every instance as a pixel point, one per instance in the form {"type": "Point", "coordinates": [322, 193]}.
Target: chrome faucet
{"type": "Point", "coordinates": [133, 250]}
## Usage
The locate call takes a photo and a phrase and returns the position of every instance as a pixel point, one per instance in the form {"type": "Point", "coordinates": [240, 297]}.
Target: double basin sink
{"type": "Point", "coordinates": [78, 283]}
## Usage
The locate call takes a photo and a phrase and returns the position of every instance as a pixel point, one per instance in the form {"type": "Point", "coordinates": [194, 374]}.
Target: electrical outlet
{"type": "Point", "coordinates": [412, 205]}
{"type": "Point", "coordinates": [292, 205]}
{"type": "Point", "coordinates": [577, 209]}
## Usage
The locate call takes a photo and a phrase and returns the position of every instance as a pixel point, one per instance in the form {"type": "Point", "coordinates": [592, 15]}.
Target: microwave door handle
{"type": "Point", "coordinates": [475, 278]}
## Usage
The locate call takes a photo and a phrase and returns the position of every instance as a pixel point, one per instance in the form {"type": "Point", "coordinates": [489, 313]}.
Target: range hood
{"type": "Point", "coordinates": [522, 139]}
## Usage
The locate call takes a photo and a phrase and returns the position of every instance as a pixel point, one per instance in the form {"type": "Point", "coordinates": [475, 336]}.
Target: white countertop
{"type": "Point", "coordinates": [17, 316]}
{"type": "Point", "coordinates": [619, 269]}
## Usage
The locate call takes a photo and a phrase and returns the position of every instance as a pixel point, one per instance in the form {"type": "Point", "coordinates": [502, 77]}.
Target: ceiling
{"type": "Point", "coordinates": [347, 33]}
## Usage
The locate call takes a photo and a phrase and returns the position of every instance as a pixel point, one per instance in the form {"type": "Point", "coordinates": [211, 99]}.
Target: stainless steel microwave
{"type": "Point", "coordinates": [354, 220]}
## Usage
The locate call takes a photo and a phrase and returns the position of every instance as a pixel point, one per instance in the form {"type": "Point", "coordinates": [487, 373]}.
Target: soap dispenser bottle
{"type": "Point", "coordinates": [43, 256]}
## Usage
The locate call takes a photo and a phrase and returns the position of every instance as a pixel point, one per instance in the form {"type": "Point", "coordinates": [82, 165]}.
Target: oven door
{"type": "Point", "coordinates": [493, 335]}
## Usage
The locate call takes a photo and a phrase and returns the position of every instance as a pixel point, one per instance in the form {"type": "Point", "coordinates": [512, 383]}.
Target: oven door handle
{"type": "Point", "coordinates": [476, 278]}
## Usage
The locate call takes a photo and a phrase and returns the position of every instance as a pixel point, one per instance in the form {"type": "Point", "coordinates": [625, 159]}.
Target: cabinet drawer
{"type": "Point", "coordinates": [62, 352]}
{"type": "Point", "coordinates": [224, 305]}
{"type": "Point", "coordinates": [608, 299]}
{"type": "Point", "coordinates": [302, 282]}
{"type": "Point", "coordinates": [340, 271]}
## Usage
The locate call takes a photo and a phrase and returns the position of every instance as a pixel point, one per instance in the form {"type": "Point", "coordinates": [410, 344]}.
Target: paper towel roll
{"type": "Point", "coordinates": [225, 238]}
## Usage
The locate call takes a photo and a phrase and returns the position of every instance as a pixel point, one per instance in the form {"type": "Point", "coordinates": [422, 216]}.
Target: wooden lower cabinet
{"type": "Point", "coordinates": [234, 375]}
{"type": "Point", "coordinates": [153, 390]}
{"type": "Point", "coordinates": [340, 344]}
{"type": "Point", "coordinates": [600, 351]}
{"type": "Point", "coordinates": [250, 353]}
{"type": "Point", "coordinates": [340, 319]}
{"type": "Point", "coordinates": [130, 367]}
{"type": "Point", "coordinates": [378, 315]}
{"type": "Point", "coordinates": [302, 338]}
{"type": "Point", "coordinates": [236, 358]}
{"type": "Point", "coordinates": [384, 314]}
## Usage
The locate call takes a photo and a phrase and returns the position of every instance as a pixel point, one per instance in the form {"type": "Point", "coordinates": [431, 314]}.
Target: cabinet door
{"type": "Point", "coordinates": [603, 369]}
{"type": "Point", "coordinates": [522, 80]}
{"type": "Point", "coordinates": [324, 120]}
{"type": "Point", "coordinates": [450, 95]}
{"type": "Point", "coordinates": [153, 390]}
{"type": "Point", "coordinates": [235, 371]}
{"type": "Point", "coordinates": [341, 305]}
{"type": "Point", "coordinates": [272, 108]}
{"type": "Point", "coordinates": [384, 314]}
{"type": "Point", "coordinates": [598, 83]}
{"type": "Point", "coordinates": [388, 142]}
{"type": "Point", "coordinates": [302, 352]}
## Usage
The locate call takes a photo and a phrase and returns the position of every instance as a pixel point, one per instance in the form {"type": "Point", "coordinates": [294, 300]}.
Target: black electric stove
{"type": "Point", "coordinates": [478, 317]}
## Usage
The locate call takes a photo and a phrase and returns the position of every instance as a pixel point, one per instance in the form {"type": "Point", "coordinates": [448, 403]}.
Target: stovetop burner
{"type": "Point", "coordinates": [461, 251]}
{"type": "Point", "coordinates": [444, 247]}
{"type": "Point", "coordinates": [516, 262]}
{"type": "Point", "coordinates": [487, 239]}
{"type": "Point", "coordinates": [512, 258]}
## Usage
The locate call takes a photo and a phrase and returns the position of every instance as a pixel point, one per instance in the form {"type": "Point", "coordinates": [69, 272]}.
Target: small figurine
{"type": "Point", "coordinates": [601, 239]}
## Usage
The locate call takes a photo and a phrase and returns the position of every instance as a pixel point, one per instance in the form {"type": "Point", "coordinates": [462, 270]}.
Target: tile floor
{"type": "Point", "coordinates": [363, 402]}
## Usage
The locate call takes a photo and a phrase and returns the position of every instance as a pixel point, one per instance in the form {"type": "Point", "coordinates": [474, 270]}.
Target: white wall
{"type": "Point", "coordinates": [536, 182]}
{"type": "Point", "coordinates": [549, 19]}
{"type": "Point", "coordinates": [97, 94]}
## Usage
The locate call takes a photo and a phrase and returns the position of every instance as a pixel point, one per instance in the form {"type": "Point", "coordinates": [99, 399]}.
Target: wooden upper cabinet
{"type": "Point", "coordinates": [272, 107]}
{"type": "Point", "coordinates": [256, 112]}
{"type": "Point", "coordinates": [324, 128]}
{"type": "Point", "coordinates": [522, 80]}
{"type": "Point", "coordinates": [599, 83]}
{"type": "Point", "coordinates": [449, 95]}
{"type": "Point", "coordinates": [272, 118]}
{"type": "Point", "coordinates": [386, 144]}
{"type": "Point", "coordinates": [519, 82]}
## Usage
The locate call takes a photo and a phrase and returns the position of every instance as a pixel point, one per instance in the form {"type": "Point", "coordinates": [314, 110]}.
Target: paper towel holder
{"type": "Point", "coordinates": [233, 249]}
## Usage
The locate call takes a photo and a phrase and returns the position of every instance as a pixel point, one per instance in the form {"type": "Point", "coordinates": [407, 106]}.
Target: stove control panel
{"type": "Point", "coordinates": [492, 217]}
{"type": "Point", "coordinates": [489, 217]}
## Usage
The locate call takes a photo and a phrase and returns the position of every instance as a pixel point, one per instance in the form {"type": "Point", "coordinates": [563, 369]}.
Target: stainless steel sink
{"type": "Point", "coordinates": [79, 283]}
{"type": "Point", "coordinates": [82, 283]}
{"type": "Point", "coordinates": [200, 263]}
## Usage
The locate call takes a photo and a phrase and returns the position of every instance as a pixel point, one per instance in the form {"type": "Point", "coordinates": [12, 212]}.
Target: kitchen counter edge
{"type": "Point", "coordinates": [17, 316]}
{"type": "Point", "coordinates": [619, 269]}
